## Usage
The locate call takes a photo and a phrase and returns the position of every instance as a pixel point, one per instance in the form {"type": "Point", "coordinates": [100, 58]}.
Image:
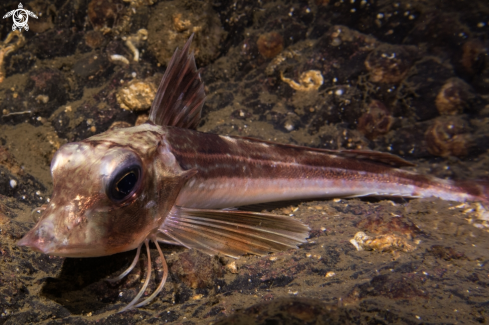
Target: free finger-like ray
{"type": "Point", "coordinates": [146, 282]}
{"type": "Point", "coordinates": [163, 279]}
{"type": "Point", "coordinates": [129, 269]}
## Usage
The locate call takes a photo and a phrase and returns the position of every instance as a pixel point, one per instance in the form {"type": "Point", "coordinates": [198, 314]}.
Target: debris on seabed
{"type": "Point", "coordinates": [309, 80]}
{"type": "Point", "coordinates": [383, 243]}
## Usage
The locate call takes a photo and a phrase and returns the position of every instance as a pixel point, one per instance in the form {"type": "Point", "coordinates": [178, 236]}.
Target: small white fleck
{"type": "Point", "coordinates": [380, 15]}
{"type": "Point", "coordinates": [289, 126]}
{"type": "Point", "coordinates": [38, 192]}
{"type": "Point", "coordinates": [13, 183]}
{"type": "Point", "coordinates": [335, 80]}
{"type": "Point", "coordinates": [339, 92]}
{"type": "Point", "coordinates": [134, 74]}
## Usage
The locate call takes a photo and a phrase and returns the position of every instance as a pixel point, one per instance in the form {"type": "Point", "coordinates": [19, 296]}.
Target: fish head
{"type": "Point", "coordinates": [107, 198]}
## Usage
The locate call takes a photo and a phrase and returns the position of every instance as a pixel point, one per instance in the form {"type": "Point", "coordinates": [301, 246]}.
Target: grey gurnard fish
{"type": "Point", "coordinates": [165, 182]}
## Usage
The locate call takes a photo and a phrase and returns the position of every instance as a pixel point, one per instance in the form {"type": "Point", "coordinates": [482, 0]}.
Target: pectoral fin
{"type": "Point", "coordinates": [233, 233]}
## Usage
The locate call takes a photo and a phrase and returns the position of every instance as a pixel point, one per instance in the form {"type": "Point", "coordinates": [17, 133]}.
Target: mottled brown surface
{"type": "Point", "coordinates": [444, 280]}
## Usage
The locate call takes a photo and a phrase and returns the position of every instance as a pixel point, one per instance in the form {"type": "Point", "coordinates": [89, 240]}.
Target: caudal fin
{"type": "Point", "coordinates": [478, 190]}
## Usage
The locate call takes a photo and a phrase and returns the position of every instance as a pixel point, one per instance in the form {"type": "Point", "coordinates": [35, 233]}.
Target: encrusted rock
{"type": "Point", "coordinates": [173, 22]}
{"type": "Point", "coordinates": [137, 95]}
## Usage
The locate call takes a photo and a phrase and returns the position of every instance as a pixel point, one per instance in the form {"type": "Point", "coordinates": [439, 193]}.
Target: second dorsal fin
{"type": "Point", "coordinates": [369, 155]}
{"type": "Point", "coordinates": [180, 96]}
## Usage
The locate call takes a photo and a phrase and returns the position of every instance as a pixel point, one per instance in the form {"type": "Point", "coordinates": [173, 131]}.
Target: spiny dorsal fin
{"type": "Point", "coordinates": [180, 96]}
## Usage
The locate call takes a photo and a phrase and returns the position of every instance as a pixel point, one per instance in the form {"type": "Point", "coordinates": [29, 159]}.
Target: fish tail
{"type": "Point", "coordinates": [477, 190]}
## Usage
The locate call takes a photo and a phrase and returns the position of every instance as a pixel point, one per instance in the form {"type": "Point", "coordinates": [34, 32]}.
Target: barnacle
{"type": "Point", "coordinates": [94, 39]}
{"type": "Point", "coordinates": [377, 120]}
{"type": "Point", "coordinates": [103, 14]}
{"type": "Point", "coordinates": [390, 63]}
{"type": "Point", "coordinates": [454, 97]}
{"type": "Point", "coordinates": [8, 47]}
{"type": "Point", "coordinates": [309, 80]}
{"type": "Point", "coordinates": [270, 44]}
{"type": "Point", "coordinates": [449, 136]}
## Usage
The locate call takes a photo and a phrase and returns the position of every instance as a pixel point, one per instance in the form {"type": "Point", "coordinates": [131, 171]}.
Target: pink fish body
{"type": "Point", "coordinates": [165, 182]}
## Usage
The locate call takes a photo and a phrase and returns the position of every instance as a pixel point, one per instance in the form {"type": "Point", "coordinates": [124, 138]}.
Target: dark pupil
{"type": "Point", "coordinates": [123, 185]}
{"type": "Point", "coordinates": [126, 184]}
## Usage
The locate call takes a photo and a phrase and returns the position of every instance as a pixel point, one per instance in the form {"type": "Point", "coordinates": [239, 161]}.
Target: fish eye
{"type": "Point", "coordinates": [125, 183]}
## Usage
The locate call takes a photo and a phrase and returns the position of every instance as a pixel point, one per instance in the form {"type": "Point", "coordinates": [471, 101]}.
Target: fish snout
{"type": "Point", "coordinates": [41, 238]}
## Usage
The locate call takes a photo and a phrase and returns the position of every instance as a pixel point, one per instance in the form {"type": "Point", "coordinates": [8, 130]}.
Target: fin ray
{"type": "Point", "coordinates": [369, 155]}
{"type": "Point", "coordinates": [181, 95]}
{"type": "Point", "coordinates": [232, 232]}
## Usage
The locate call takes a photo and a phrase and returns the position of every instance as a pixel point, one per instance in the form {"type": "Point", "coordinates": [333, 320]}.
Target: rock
{"type": "Point", "coordinates": [172, 23]}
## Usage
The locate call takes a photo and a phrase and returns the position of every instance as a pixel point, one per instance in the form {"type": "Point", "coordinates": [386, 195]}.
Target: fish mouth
{"type": "Point", "coordinates": [41, 238]}
{"type": "Point", "coordinates": [38, 243]}
{"type": "Point", "coordinates": [46, 239]}
{"type": "Point", "coordinates": [50, 246]}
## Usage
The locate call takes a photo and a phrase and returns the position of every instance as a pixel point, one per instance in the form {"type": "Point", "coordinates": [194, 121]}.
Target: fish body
{"type": "Point", "coordinates": [166, 182]}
